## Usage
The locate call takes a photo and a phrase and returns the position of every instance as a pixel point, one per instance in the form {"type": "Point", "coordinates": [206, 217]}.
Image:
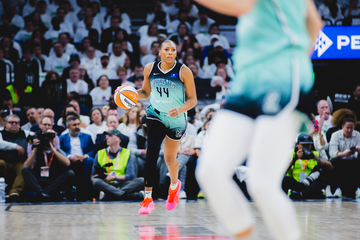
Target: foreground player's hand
{"type": "Point", "coordinates": [174, 112]}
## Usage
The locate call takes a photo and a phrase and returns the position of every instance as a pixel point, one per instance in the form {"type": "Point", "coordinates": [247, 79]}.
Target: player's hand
{"type": "Point", "coordinates": [174, 112]}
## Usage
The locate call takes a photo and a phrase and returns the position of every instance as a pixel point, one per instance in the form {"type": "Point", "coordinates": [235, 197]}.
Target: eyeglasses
{"type": "Point", "coordinates": [13, 123]}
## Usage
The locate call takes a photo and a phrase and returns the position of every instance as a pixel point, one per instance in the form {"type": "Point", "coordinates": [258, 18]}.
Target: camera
{"type": "Point", "coordinates": [44, 138]}
{"type": "Point", "coordinates": [101, 170]}
{"type": "Point", "coordinates": [353, 148]}
{"type": "Point", "coordinates": [307, 154]}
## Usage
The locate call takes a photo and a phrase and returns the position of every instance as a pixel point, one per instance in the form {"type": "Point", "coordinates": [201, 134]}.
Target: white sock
{"type": "Point", "coordinates": [173, 186]}
{"type": "Point", "coordinates": [148, 194]}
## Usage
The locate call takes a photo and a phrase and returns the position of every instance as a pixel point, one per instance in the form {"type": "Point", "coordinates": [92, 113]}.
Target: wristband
{"type": "Point", "coordinates": [142, 152]}
{"type": "Point", "coordinates": [71, 158]}
{"type": "Point", "coordinates": [323, 116]}
{"type": "Point", "coordinates": [341, 154]}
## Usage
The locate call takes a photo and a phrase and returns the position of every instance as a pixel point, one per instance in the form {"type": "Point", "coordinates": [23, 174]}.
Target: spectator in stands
{"type": "Point", "coordinates": [215, 46]}
{"type": "Point", "coordinates": [102, 92]}
{"type": "Point", "coordinates": [201, 137]}
{"type": "Point", "coordinates": [10, 67]}
{"type": "Point", "coordinates": [324, 111]}
{"type": "Point", "coordinates": [79, 149]}
{"type": "Point", "coordinates": [48, 113]}
{"type": "Point", "coordinates": [130, 122]}
{"type": "Point", "coordinates": [173, 26]}
{"type": "Point", "coordinates": [70, 16]}
{"type": "Point", "coordinates": [104, 111]}
{"type": "Point", "coordinates": [83, 32]}
{"type": "Point", "coordinates": [169, 7]}
{"type": "Point", "coordinates": [16, 19]}
{"type": "Point", "coordinates": [138, 81]}
{"type": "Point", "coordinates": [112, 122]}
{"type": "Point", "coordinates": [83, 118]}
{"type": "Point", "coordinates": [97, 120]}
{"type": "Point", "coordinates": [7, 28]}
{"type": "Point", "coordinates": [192, 119]}
{"type": "Point", "coordinates": [217, 81]}
{"type": "Point", "coordinates": [65, 26]}
{"type": "Point", "coordinates": [354, 102]}
{"type": "Point", "coordinates": [337, 120]}
{"type": "Point", "coordinates": [118, 58]}
{"type": "Point", "coordinates": [9, 51]}
{"type": "Point", "coordinates": [124, 23]}
{"type": "Point", "coordinates": [13, 147]}
{"type": "Point", "coordinates": [155, 47]}
{"type": "Point", "coordinates": [184, 41]}
{"type": "Point", "coordinates": [105, 69]}
{"type": "Point", "coordinates": [25, 33]}
{"type": "Point", "coordinates": [116, 183]}
{"type": "Point", "coordinates": [205, 39]}
{"type": "Point", "coordinates": [95, 7]}
{"type": "Point", "coordinates": [59, 61]}
{"type": "Point", "coordinates": [94, 38]}
{"type": "Point", "coordinates": [303, 176]}
{"type": "Point", "coordinates": [156, 15]}
{"type": "Point", "coordinates": [138, 144]}
{"type": "Point", "coordinates": [121, 36]}
{"type": "Point", "coordinates": [64, 40]}
{"type": "Point", "coordinates": [188, 60]}
{"type": "Point", "coordinates": [53, 32]}
{"type": "Point", "coordinates": [36, 20]}
{"type": "Point", "coordinates": [202, 24]}
{"type": "Point", "coordinates": [66, 110]}
{"type": "Point", "coordinates": [208, 113]}
{"type": "Point", "coordinates": [39, 56]}
{"type": "Point", "coordinates": [121, 74]}
{"type": "Point", "coordinates": [330, 10]}
{"type": "Point", "coordinates": [53, 90]}
{"type": "Point", "coordinates": [40, 110]}
{"type": "Point", "coordinates": [109, 34]}
{"type": "Point", "coordinates": [191, 7]}
{"type": "Point", "coordinates": [38, 38]}
{"type": "Point", "coordinates": [345, 146]}
{"type": "Point", "coordinates": [44, 15]}
{"type": "Point", "coordinates": [148, 39]}
{"type": "Point", "coordinates": [29, 8]}
{"type": "Point", "coordinates": [138, 70]}
{"type": "Point", "coordinates": [96, 21]}
{"type": "Point", "coordinates": [75, 84]}
{"type": "Point", "coordinates": [129, 66]}
{"type": "Point", "coordinates": [218, 60]}
{"type": "Point", "coordinates": [45, 170]}
{"type": "Point", "coordinates": [90, 61]}
{"type": "Point", "coordinates": [353, 10]}
{"type": "Point", "coordinates": [74, 62]}
{"type": "Point", "coordinates": [33, 118]}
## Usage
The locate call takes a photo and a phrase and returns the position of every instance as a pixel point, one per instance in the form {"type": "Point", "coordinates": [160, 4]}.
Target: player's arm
{"type": "Point", "coordinates": [313, 22]}
{"type": "Point", "coordinates": [233, 8]}
{"type": "Point", "coordinates": [188, 79]}
{"type": "Point", "coordinates": [144, 92]}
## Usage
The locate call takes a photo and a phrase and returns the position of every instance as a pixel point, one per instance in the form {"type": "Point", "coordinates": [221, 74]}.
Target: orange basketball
{"type": "Point", "coordinates": [126, 97]}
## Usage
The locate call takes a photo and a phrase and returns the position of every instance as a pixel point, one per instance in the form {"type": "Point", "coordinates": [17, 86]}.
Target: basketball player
{"type": "Point", "coordinates": [165, 81]}
{"type": "Point", "coordinates": [273, 71]}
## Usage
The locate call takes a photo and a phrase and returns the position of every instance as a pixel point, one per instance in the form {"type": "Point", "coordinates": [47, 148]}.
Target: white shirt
{"type": "Point", "coordinates": [75, 146]}
{"type": "Point", "coordinates": [90, 64]}
{"type": "Point", "coordinates": [93, 129]}
{"type": "Point", "coordinates": [116, 62]}
{"type": "Point", "coordinates": [147, 59]}
{"type": "Point", "coordinates": [194, 10]}
{"type": "Point", "coordinates": [18, 21]}
{"type": "Point", "coordinates": [204, 40]}
{"type": "Point", "coordinates": [51, 9]}
{"type": "Point", "coordinates": [80, 87]}
{"type": "Point", "coordinates": [99, 71]}
{"type": "Point", "coordinates": [125, 23]}
{"type": "Point", "coordinates": [127, 130]}
{"type": "Point", "coordinates": [324, 11]}
{"type": "Point", "coordinates": [80, 34]}
{"type": "Point", "coordinates": [83, 118]}
{"type": "Point", "coordinates": [28, 9]}
{"type": "Point", "coordinates": [129, 47]}
{"type": "Point", "coordinates": [56, 64]}
{"type": "Point", "coordinates": [327, 123]}
{"type": "Point", "coordinates": [172, 26]}
{"type": "Point", "coordinates": [191, 130]}
{"type": "Point", "coordinates": [46, 19]}
{"type": "Point", "coordinates": [95, 25]}
{"type": "Point", "coordinates": [68, 49]}
{"type": "Point", "coordinates": [53, 34]}
{"type": "Point", "coordinates": [172, 9]}
{"type": "Point", "coordinates": [22, 35]}
{"type": "Point", "coordinates": [197, 28]}
{"type": "Point", "coordinates": [100, 97]}
{"type": "Point", "coordinates": [72, 18]}
{"type": "Point", "coordinates": [146, 40]}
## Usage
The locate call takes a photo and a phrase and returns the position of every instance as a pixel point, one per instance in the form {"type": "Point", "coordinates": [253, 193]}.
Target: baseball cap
{"type": "Point", "coordinates": [218, 44]}
{"type": "Point", "coordinates": [74, 57]}
{"type": "Point", "coordinates": [104, 55]}
{"type": "Point", "coordinates": [304, 138]}
{"type": "Point", "coordinates": [214, 36]}
{"type": "Point", "coordinates": [113, 132]}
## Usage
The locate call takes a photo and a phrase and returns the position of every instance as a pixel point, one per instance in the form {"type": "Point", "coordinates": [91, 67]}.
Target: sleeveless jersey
{"type": "Point", "coordinates": [273, 29]}
{"type": "Point", "coordinates": [167, 88]}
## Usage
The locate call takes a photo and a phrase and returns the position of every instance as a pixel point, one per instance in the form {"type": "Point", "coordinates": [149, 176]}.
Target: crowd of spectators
{"type": "Point", "coordinates": [62, 136]}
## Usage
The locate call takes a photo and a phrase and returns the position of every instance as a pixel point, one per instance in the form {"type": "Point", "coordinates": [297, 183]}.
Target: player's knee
{"type": "Point", "coordinates": [205, 173]}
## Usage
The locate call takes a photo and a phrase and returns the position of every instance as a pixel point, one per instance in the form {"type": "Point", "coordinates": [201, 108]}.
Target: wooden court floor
{"type": "Point", "coordinates": [331, 219]}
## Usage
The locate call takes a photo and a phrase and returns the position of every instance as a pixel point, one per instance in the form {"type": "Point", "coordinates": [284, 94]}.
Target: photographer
{"type": "Point", "coordinates": [45, 170]}
{"type": "Point", "coordinates": [344, 152]}
{"type": "Point", "coordinates": [113, 171]}
{"type": "Point", "coordinates": [304, 176]}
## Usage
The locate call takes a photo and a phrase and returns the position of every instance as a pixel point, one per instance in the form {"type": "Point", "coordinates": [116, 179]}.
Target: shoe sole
{"type": "Point", "coordinates": [151, 208]}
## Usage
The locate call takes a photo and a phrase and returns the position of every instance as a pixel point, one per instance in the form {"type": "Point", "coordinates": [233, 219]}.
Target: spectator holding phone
{"type": "Point", "coordinates": [319, 137]}
{"type": "Point", "coordinates": [324, 118]}
{"type": "Point", "coordinates": [113, 171]}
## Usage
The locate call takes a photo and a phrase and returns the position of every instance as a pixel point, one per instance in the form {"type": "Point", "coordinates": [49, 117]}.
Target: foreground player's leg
{"type": "Point", "coordinates": [156, 134]}
{"type": "Point", "coordinates": [268, 160]}
{"type": "Point", "coordinates": [227, 147]}
{"type": "Point", "coordinates": [170, 152]}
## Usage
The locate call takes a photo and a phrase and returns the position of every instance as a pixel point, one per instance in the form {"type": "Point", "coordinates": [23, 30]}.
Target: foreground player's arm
{"type": "Point", "coordinates": [188, 79]}
{"type": "Point", "coordinates": [144, 92]}
{"type": "Point", "coordinates": [313, 22]}
{"type": "Point", "coordinates": [233, 8]}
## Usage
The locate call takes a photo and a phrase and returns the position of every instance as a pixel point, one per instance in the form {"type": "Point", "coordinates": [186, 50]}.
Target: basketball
{"type": "Point", "coordinates": [126, 97]}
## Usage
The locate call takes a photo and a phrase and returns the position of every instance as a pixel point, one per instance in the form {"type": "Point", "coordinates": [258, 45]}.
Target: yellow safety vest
{"type": "Point", "coordinates": [119, 165]}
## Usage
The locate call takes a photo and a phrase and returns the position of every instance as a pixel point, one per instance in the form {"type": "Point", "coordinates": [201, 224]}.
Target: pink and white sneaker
{"type": "Point", "coordinates": [173, 197]}
{"type": "Point", "coordinates": [147, 206]}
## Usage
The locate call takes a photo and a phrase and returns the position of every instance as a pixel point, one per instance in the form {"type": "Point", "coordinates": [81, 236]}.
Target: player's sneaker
{"type": "Point", "coordinates": [146, 206]}
{"type": "Point", "coordinates": [173, 197]}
